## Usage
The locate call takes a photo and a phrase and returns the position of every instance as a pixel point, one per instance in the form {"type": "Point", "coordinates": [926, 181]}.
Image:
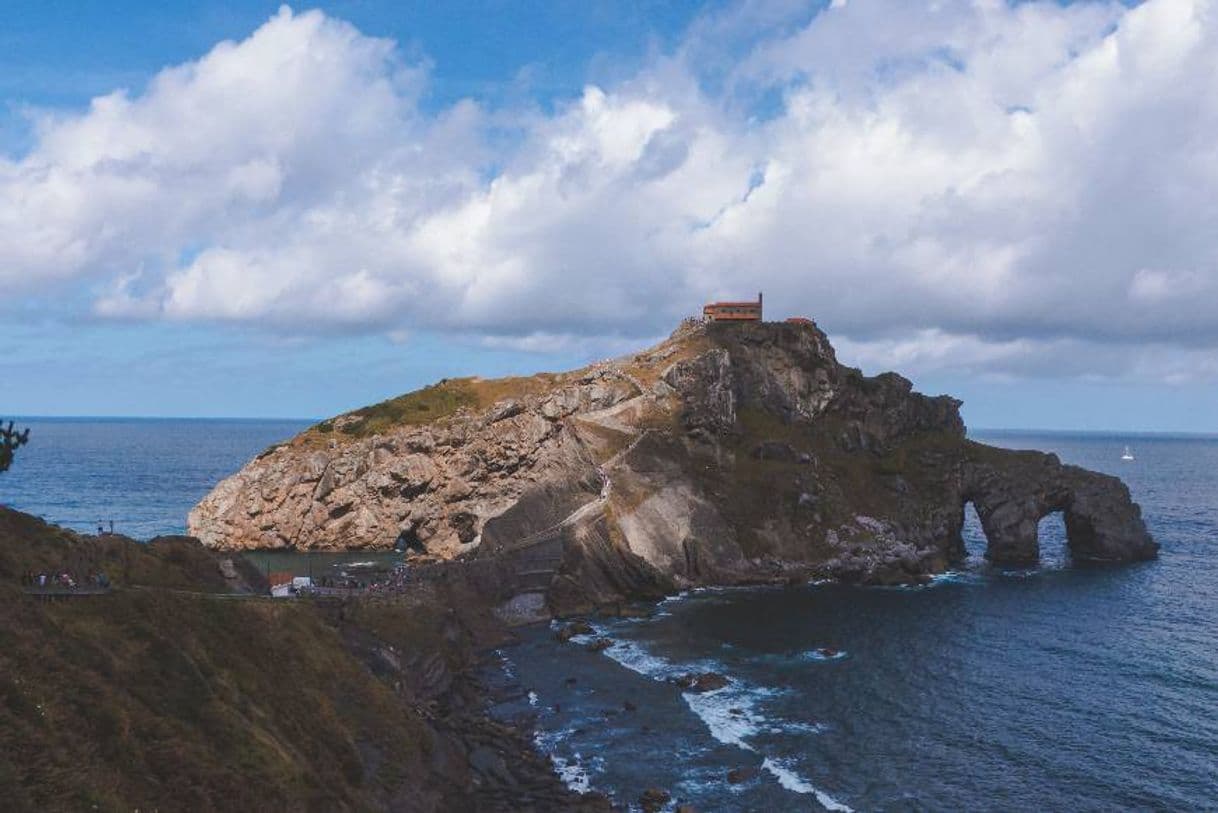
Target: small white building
{"type": "Point", "coordinates": [281, 584]}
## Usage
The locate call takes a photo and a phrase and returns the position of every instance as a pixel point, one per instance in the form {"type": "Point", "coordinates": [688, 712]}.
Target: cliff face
{"type": "Point", "coordinates": [728, 453]}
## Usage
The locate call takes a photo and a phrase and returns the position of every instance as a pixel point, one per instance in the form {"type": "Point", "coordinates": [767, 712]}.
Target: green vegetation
{"type": "Point", "coordinates": [446, 397]}
{"type": "Point", "coordinates": [158, 699]}
{"type": "Point", "coordinates": [418, 407]}
{"type": "Point", "coordinates": [436, 402]}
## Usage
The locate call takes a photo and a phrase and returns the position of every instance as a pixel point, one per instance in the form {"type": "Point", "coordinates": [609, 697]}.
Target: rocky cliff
{"type": "Point", "coordinates": [729, 453]}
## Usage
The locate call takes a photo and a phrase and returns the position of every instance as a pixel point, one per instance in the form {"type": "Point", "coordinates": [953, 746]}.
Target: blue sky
{"type": "Point", "coordinates": [241, 210]}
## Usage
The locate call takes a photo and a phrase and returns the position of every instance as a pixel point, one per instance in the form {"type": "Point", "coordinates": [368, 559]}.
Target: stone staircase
{"type": "Point", "coordinates": [536, 564]}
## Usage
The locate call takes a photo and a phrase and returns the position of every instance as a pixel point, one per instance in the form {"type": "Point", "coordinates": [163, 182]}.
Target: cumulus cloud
{"type": "Point", "coordinates": [968, 184]}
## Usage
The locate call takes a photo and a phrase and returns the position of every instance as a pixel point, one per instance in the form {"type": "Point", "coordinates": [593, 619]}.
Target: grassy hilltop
{"type": "Point", "coordinates": [160, 699]}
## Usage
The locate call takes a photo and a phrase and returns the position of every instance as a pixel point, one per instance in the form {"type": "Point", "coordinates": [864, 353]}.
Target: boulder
{"type": "Point", "coordinates": [699, 683]}
{"type": "Point", "coordinates": [568, 631]}
{"type": "Point", "coordinates": [654, 799]}
{"type": "Point", "coordinates": [742, 774]}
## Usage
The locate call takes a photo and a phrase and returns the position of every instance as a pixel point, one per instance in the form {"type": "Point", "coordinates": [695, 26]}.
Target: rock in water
{"type": "Point", "coordinates": [728, 454]}
{"type": "Point", "coordinates": [742, 774]}
{"type": "Point", "coordinates": [654, 799]}
{"type": "Point", "coordinates": [701, 683]}
{"type": "Point", "coordinates": [569, 631]}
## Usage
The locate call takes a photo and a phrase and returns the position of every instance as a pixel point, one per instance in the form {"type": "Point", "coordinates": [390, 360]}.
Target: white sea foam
{"type": "Point", "coordinates": [574, 771]}
{"type": "Point", "coordinates": [730, 713]}
{"type": "Point", "coordinates": [790, 727]}
{"type": "Point", "coordinates": [819, 655]}
{"type": "Point", "coordinates": [637, 659]}
{"type": "Point", "coordinates": [795, 783]}
{"type": "Point", "coordinates": [509, 668]}
{"type": "Point", "coordinates": [574, 775]}
{"type": "Point", "coordinates": [956, 577]}
{"type": "Point", "coordinates": [598, 631]}
{"type": "Point", "coordinates": [533, 699]}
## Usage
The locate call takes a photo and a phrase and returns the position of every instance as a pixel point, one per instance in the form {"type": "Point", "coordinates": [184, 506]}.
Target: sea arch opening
{"type": "Point", "coordinates": [973, 542]}
{"type": "Point", "coordinates": [1052, 540]}
{"type": "Point", "coordinates": [1037, 530]}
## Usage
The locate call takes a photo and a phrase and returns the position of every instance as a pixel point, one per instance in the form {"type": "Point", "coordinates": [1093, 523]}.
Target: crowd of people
{"type": "Point", "coordinates": [65, 580]}
{"type": "Point", "coordinates": [395, 581]}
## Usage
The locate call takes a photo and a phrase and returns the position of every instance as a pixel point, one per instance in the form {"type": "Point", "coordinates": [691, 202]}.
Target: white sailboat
{"type": "Point", "coordinates": [1127, 455]}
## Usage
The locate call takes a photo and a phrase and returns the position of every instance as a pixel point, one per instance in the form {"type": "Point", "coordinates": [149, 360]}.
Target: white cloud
{"type": "Point", "coordinates": [971, 185]}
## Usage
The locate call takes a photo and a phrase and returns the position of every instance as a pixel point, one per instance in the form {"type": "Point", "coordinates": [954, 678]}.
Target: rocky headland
{"type": "Point", "coordinates": [727, 454]}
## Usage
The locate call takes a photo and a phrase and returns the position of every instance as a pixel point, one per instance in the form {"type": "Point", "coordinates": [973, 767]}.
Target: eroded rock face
{"type": "Point", "coordinates": [1102, 523]}
{"type": "Point", "coordinates": [731, 453]}
{"type": "Point", "coordinates": [432, 485]}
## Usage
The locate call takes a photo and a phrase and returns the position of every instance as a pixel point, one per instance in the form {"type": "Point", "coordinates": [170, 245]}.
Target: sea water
{"type": "Point", "coordinates": [1050, 688]}
{"type": "Point", "coordinates": [143, 475]}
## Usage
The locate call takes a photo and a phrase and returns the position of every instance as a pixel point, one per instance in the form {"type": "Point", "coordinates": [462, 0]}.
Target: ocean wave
{"type": "Point", "coordinates": [575, 772]}
{"type": "Point", "coordinates": [795, 783]}
{"type": "Point", "coordinates": [574, 775]}
{"type": "Point", "coordinates": [821, 654]}
{"type": "Point", "coordinates": [638, 660]}
{"type": "Point", "coordinates": [954, 577]}
{"type": "Point", "coordinates": [533, 698]}
{"type": "Point", "coordinates": [790, 727]}
{"type": "Point", "coordinates": [815, 655]}
{"type": "Point", "coordinates": [731, 714]}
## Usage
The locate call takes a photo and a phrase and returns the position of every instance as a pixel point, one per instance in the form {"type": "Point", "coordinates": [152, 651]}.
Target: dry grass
{"type": "Point", "coordinates": [155, 700]}
{"type": "Point", "coordinates": [648, 365]}
{"type": "Point", "coordinates": [430, 404]}
{"type": "Point", "coordinates": [449, 396]}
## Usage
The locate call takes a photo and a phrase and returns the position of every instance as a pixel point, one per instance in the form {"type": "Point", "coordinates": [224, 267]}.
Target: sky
{"type": "Point", "coordinates": [247, 209]}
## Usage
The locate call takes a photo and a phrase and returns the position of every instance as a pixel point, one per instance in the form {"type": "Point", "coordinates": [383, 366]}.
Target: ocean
{"type": "Point", "coordinates": [1089, 688]}
{"type": "Point", "coordinates": [144, 475]}
{"type": "Point", "coordinates": [1054, 688]}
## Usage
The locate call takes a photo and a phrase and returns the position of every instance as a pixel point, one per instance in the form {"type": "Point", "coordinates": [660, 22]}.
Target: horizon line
{"type": "Point", "coordinates": [968, 430]}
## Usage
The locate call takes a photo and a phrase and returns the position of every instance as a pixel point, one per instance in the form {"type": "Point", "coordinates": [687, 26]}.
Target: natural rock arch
{"type": "Point", "coordinates": [1011, 498]}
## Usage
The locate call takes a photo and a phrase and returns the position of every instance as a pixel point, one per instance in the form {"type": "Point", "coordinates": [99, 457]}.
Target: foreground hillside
{"type": "Point", "coordinates": [170, 694]}
{"type": "Point", "coordinates": [729, 453]}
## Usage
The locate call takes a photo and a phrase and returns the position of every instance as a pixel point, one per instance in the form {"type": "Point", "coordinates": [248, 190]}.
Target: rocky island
{"type": "Point", "coordinates": [730, 453]}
